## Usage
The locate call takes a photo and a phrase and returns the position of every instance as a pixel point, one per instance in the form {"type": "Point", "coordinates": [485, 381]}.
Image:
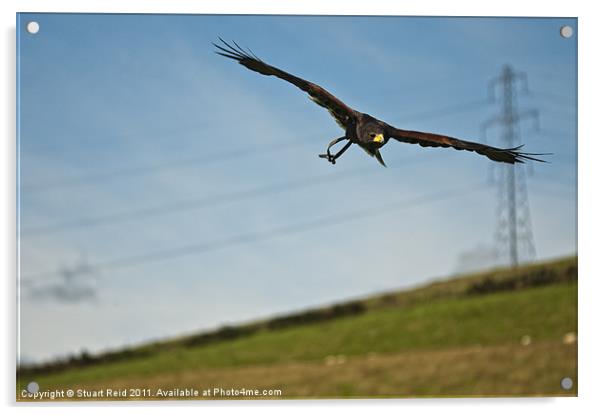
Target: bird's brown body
{"type": "Point", "coordinates": [362, 129]}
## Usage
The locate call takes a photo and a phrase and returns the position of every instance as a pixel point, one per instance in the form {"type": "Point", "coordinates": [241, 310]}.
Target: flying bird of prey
{"type": "Point", "coordinates": [362, 129]}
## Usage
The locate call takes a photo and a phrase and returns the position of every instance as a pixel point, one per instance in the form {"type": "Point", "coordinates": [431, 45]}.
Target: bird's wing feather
{"type": "Point", "coordinates": [504, 155]}
{"type": "Point", "coordinates": [338, 109]}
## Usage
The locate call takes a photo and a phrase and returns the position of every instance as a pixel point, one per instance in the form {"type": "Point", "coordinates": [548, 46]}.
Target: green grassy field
{"type": "Point", "coordinates": [502, 333]}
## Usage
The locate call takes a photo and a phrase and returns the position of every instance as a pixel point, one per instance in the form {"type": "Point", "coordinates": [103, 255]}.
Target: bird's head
{"type": "Point", "coordinates": [373, 135]}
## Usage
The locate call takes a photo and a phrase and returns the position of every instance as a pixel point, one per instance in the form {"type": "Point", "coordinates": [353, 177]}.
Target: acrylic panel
{"type": "Point", "coordinates": [186, 231]}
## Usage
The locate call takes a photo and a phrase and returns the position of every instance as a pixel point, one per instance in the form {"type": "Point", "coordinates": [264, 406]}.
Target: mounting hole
{"type": "Point", "coordinates": [566, 32]}
{"type": "Point", "coordinates": [33, 27]}
{"type": "Point", "coordinates": [566, 383]}
{"type": "Point", "coordinates": [33, 387]}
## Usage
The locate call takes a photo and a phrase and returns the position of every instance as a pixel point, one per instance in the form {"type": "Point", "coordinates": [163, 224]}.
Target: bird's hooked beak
{"type": "Point", "coordinates": [379, 138]}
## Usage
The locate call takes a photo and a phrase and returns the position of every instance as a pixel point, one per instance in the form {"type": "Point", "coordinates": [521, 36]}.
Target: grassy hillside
{"type": "Point", "coordinates": [497, 333]}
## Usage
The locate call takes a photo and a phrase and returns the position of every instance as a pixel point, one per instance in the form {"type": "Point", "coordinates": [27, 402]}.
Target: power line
{"type": "Point", "coordinates": [544, 132]}
{"type": "Point", "coordinates": [214, 200]}
{"type": "Point", "coordinates": [248, 238]}
{"type": "Point", "coordinates": [143, 169]}
{"type": "Point", "coordinates": [445, 111]}
{"type": "Point", "coordinates": [555, 98]}
{"type": "Point", "coordinates": [558, 114]}
{"type": "Point", "coordinates": [563, 181]}
{"type": "Point", "coordinates": [545, 186]}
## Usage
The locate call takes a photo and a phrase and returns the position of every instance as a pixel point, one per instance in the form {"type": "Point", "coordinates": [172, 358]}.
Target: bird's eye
{"type": "Point", "coordinates": [372, 135]}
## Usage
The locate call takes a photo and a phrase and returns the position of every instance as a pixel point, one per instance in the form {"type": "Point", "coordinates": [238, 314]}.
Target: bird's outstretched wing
{"type": "Point", "coordinates": [319, 95]}
{"type": "Point", "coordinates": [504, 155]}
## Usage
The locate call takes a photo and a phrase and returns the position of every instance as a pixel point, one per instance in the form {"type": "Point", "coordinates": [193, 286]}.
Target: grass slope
{"type": "Point", "coordinates": [446, 338]}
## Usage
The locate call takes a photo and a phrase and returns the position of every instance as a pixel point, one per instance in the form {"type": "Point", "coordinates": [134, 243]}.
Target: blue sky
{"type": "Point", "coordinates": [138, 143]}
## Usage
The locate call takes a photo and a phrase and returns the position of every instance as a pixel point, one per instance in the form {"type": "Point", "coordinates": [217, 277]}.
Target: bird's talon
{"type": "Point", "coordinates": [329, 157]}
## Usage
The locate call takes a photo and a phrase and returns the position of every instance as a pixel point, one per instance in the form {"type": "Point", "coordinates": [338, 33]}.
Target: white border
{"type": "Point", "coordinates": [340, 7]}
{"type": "Point", "coordinates": [589, 185]}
